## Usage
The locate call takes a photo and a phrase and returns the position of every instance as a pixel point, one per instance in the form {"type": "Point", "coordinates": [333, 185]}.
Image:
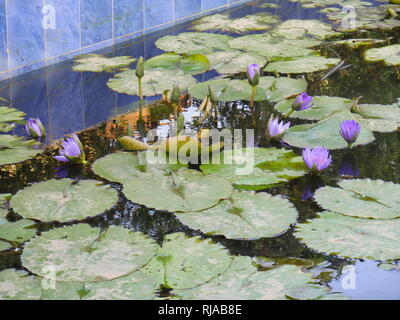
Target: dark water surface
{"type": "Point", "coordinates": [68, 101]}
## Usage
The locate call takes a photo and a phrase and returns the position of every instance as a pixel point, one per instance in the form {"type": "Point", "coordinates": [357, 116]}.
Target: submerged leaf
{"type": "Point", "coordinates": [99, 63]}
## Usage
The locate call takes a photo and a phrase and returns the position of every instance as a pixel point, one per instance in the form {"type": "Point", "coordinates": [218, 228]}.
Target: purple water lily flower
{"type": "Point", "coordinates": [302, 102]}
{"type": "Point", "coordinates": [72, 150]}
{"type": "Point", "coordinates": [276, 129]}
{"type": "Point", "coordinates": [317, 159]}
{"type": "Point", "coordinates": [349, 130]}
{"type": "Point", "coordinates": [253, 74]}
{"type": "Point", "coordinates": [35, 128]}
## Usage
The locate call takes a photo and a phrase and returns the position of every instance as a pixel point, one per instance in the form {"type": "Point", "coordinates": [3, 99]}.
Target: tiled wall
{"type": "Point", "coordinates": [36, 33]}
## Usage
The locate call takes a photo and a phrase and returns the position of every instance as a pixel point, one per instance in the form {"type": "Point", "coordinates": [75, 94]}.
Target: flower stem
{"type": "Point", "coordinates": [140, 89]}
{"type": "Point", "coordinates": [289, 113]}
{"type": "Point", "coordinates": [253, 95]}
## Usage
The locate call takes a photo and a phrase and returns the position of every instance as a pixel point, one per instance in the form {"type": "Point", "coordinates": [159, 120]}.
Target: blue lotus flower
{"type": "Point", "coordinates": [302, 102]}
{"type": "Point", "coordinates": [317, 159]}
{"type": "Point", "coordinates": [349, 130]}
{"type": "Point", "coordinates": [72, 150]}
{"type": "Point", "coordinates": [253, 74]}
{"type": "Point", "coordinates": [35, 128]}
{"type": "Point", "coordinates": [276, 129]}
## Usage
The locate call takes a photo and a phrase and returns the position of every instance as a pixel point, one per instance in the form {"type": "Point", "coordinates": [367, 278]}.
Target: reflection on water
{"type": "Point", "coordinates": [66, 101]}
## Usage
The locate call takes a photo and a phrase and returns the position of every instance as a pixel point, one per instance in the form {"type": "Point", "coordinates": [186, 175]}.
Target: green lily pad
{"type": "Point", "coordinates": [154, 81]}
{"type": "Point", "coordinates": [136, 286]}
{"type": "Point", "coordinates": [64, 200]}
{"type": "Point", "coordinates": [307, 64]}
{"type": "Point", "coordinates": [297, 29]}
{"type": "Point", "coordinates": [185, 189]}
{"type": "Point", "coordinates": [85, 254]}
{"type": "Point", "coordinates": [18, 231]}
{"type": "Point", "coordinates": [325, 133]}
{"type": "Point", "coordinates": [184, 262]}
{"type": "Point", "coordinates": [190, 64]}
{"type": "Point", "coordinates": [124, 166]}
{"type": "Point", "coordinates": [357, 43]}
{"type": "Point", "coordinates": [273, 48]}
{"type": "Point", "coordinates": [222, 22]}
{"type": "Point", "coordinates": [265, 167]}
{"type": "Point", "coordinates": [99, 63]}
{"type": "Point", "coordinates": [19, 285]}
{"type": "Point", "coordinates": [323, 107]}
{"type": "Point", "coordinates": [351, 237]}
{"type": "Point", "coordinates": [194, 42]}
{"type": "Point", "coordinates": [379, 118]}
{"type": "Point", "coordinates": [390, 55]}
{"type": "Point", "coordinates": [362, 198]}
{"type": "Point", "coordinates": [4, 245]}
{"type": "Point", "coordinates": [245, 215]}
{"type": "Point", "coordinates": [270, 88]}
{"type": "Point", "coordinates": [14, 150]}
{"type": "Point", "coordinates": [231, 62]}
{"type": "Point", "coordinates": [7, 118]}
{"type": "Point", "coordinates": [242, 281]}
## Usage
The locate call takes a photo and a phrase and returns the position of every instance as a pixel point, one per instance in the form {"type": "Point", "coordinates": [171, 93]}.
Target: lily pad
{"type": "Point", "coordinates": [362, 198]}
{"type": "Point", "coordinates": [194, 42]}
{"type": "Point", "coordinates": [357, 43]}
{"type": "Point", "coordinates": [19, 285]}
{"type": "Point", "coordinates": [184, 189]}
{"type": "Point", "coordinates": [8, 116]}
{"type": "Point", "coordinates": [124, 166]}
{"type": "Point", "coordinates": [379, 118]}
{"type": "Point", "coordinates": [245, 215]}
{"type": "Point", "coordinates": [323, 107]}
{"type": "Point", "coordinates": [64, 200]}
{"type": "Point", "coordinates": [270, 88]}
{"type": "Point", "coordinates": [273, 48]}
{"type": "Point", "coordinates": [190, 64]}
{"type": "Point", "coordinates": [3, 201]}
{"type": "Point", "coordinates": [14, 150]}
{"type": "Point", "coordinates": [184, 262]}
{"type": "Point", "coordinates": [307, 64]}
{"type": "Point", "coordinates": [18, 231]}
{"type": "Point", "coordinates": [351, 237]}
{"type": "Point", "coordinates": [222, 22]}
{"type": "Point", "coordinates": [257, 168]}
{"type": "Point", "coordinates": [154, 81]}
{"type": "Point", "coordinates": [85, 254]}
{"type": "Point", "coordinates": [231, 62]}
{"type": "Point", "coordinates": [4, 245]}
{"type": "Point", "coordinates": [99, 63]}
{"type": "Point", "coordinates": [242, 281]}
{"type": "Point", "coordinates": [390, 55]}
{"type": "Point", "coordinates": [325, 133]}
{"type": "Point", "coordinates": [299, 28]}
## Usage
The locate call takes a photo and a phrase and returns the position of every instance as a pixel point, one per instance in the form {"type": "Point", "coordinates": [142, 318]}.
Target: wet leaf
{"type": "Point", "coordinates": [185, 189]}
{"type": "Point", "coordinates": [18, 231]}
{"type": "Point", "coordinates": [154, 81]}
{"type": "Point", "coordinates": [351, 237]}
{"type": "Point", "coordinates": [362, 198]}
{"type": "Point", "coordinates": [257, 168]}
{"type": "Point", "coordinates": [99, 63]}
{"type": "Point", "coordinates": [85, 254]}
{"type": "Point", "coordinates": [64, 200]}
{"type": "Point", "coordinates": [8, 117]}
{"type": "Point", "coordinates": [15, 150]}
{"type": "Point", "coordinates": [184, 262]}
{"type": "Point", "coordinates": [245, 215]}
{"type": "Point", "coordinates": [190, 64]}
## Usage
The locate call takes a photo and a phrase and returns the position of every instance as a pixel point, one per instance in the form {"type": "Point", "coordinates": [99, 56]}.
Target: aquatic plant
{"type": "Point", "coordinates": [253, 76]}
{"type": "Point", "coordinates": [349, 130]}
{"type": "Point", "coordinates": [140, 74]}
{"type": "Point", "coordinates": [35, 128]}
{"type": "Point", "coordinates": [317, 159]}
{"type": "Point", "coordinates": [72, 150]}
{"type": "Point", "coordinates": [276, 129]}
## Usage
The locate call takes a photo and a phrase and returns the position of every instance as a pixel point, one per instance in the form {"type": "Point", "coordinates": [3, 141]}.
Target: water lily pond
{"type": "Point", "coordinates": [300, 200]}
